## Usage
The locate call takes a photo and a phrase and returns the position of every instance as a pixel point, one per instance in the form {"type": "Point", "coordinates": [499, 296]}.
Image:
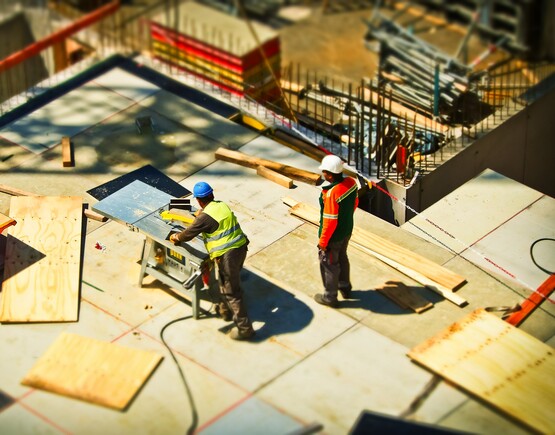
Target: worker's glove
{"type": "Point", "coordinates": [323, 255]}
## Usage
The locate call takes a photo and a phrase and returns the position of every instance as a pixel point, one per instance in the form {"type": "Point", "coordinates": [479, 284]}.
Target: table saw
{"type": "Point", "coordinates": [147, 210]}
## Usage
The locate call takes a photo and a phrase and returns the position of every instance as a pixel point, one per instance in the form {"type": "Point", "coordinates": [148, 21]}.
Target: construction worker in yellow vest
{"type": "Point", "coordinates": [227, 246]}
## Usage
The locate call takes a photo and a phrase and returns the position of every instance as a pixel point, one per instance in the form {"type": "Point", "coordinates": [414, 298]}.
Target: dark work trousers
{"type": "Point", "coordinates": [229, 275]}
{"type": "Point", "coordinates": [335, 268]}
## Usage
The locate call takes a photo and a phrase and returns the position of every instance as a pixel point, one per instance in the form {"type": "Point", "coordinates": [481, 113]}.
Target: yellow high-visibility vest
{"type": "Point", "coordinates": [228, 235]}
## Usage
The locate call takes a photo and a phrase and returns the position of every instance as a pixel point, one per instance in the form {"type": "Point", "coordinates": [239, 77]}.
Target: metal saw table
{"type": "Point", "coordinates": [138, 206]}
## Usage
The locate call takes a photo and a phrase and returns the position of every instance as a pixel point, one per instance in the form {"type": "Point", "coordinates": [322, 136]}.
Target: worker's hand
{"type": "Point", "coordinates": [174, 239]}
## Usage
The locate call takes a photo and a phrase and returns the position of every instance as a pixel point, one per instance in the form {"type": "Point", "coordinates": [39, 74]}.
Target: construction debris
{"type": "Point", "coordinates": [67, 152]}
{"type": "Point", "coordinates": [404, 296]}
{"type": "Point", "coordinates": [274, 176]}
{"type": "Point", "coordinates": [5, 222]}
{"type": "Point", "coordinates": [254, 162]}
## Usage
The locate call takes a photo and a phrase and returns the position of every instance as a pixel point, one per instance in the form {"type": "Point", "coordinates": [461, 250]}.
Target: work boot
{"type": "Point", "coordinates": [236, 334]}
{"type": "Point", "coordinates": [345, 289]}
{"type": "Point", "coordinates": [322, 301]}
{"type": "Point", "coordinates": [223, 311]}
{"type": "Point", "coordinates": [346, 294]}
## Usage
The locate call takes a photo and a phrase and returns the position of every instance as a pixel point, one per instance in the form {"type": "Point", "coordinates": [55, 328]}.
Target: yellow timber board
{"type": "Point", "coordinates": [42, 260]}
{"type": "Point", "coordinates": [92, 370]}
{"type": "Point", "coordinates": [497, 362]}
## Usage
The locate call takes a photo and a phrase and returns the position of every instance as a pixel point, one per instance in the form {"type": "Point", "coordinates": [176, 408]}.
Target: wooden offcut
{"type": "Point", "coordinates": [405, 296]}
{"type": "Point", "coordinates": [254, 162]}
{"type": "Point", "coordinates": [498, 363]}
{"type": "Point", "coordinates": [407, 259]}
{"type": "Point", "coordinates": [15, 191]}
{"type": "Point", "coordinates": [5, 222]}
{"type": "Point", "coordinates": [274, 176]}
{"type": "Point", "coordinates": [92, 370]}
{"type": "Point", "coordinates": [42, 260]}
{"type": "Point", "coordinates": [67, 152]}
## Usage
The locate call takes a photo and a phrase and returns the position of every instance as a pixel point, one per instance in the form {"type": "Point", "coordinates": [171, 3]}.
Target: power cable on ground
{"type": "Point", "coordinates": [194, 412]}
{"type": "Point", "coordinates": [532, 254]}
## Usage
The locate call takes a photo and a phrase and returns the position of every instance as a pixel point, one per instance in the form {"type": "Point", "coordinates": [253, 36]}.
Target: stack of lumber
{"type": "Point", "coordinates": [434, 276]}
{"type": "Point", "coordinates": [219, 48]}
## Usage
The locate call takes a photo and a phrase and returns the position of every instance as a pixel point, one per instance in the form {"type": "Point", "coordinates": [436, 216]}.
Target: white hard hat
{"type": "Point", "coordinates": [331, 164]}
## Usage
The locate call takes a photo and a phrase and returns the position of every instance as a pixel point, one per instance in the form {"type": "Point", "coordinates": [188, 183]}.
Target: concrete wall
{"type": "Point", "coordinates": [522, 148]}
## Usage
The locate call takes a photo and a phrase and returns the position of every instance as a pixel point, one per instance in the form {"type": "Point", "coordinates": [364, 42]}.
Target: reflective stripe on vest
{"type": "Point", "coordinates": [228, 235]}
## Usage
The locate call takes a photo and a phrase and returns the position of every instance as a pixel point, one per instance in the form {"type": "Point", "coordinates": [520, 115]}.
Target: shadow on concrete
{"type": "Point", "coordinates": [373, 301]}
{"type": "Point", "coordinates": [279, 311]}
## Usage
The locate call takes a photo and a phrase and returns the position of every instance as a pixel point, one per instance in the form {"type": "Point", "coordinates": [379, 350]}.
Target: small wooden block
{"type": "Point", "coordinates": [405, 296]}
{"type": "Point", "coordinates": [92, 370]}
{"type": "Point", "coordinates": [67, 152]}
{"type": "Point", "coordinates": [5, 222]}
{"type": "Point", "coordinates": [274, 176]}
{"type": "Point", "coordinates": [95, 216]}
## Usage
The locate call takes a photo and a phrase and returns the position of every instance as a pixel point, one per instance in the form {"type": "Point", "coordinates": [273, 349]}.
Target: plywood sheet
{"type": "Point", "coordinates": [92, 370]}
{"type": "Point", "coordinates": [42, 266]}
{"type": "Point", "coordinates": [499, 363]}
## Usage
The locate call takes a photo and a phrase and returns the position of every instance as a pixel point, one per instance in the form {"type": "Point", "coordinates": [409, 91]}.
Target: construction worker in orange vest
{"type": "Point", "coordinates": [338, 201]}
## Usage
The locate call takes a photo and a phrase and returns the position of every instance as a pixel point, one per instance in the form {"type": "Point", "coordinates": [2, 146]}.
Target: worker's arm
{"type": "Point", "coordinates": [329, 220]}
{"type": "Point", "coordinates": [203, 223]}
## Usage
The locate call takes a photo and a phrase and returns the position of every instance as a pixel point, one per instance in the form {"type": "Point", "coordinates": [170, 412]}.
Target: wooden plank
{"type": "Point", "coordinates": [253, 162]}
{"type": "Point", "coordinates": [15, 192]}
{"type": "Point", "coordinates": [418, 277]}
{"type": "Point", "coordinates": [94, 215]}
{"type": "Point", "coordinates": [5, 222]}
{"type": "Point", "coordinates": [405, 296]}
{"type": "Point", "coordinates": [390, 250]}
{"type": "Point", "coordinates": [274, 176]}
{"type": "Point", "coordinates": [95, 371]}
{"type": "Point", "coordinates": [43, 260]}
{"type": "Point", "coordinates": [534, 301]}
{"type": "Point", "coordinates": [497, 362]}
{"type": "Point", "coordinates": [67, 152]}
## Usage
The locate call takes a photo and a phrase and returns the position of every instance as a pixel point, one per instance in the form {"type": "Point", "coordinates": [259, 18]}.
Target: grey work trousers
{"type": "Point", "coordinates": [229, 275]}
{"type": "Point", "coordinates": [335, 268]}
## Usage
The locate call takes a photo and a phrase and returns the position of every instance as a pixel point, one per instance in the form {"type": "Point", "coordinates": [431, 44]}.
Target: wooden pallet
{"type": "Point", "coordinates": [42, 260]}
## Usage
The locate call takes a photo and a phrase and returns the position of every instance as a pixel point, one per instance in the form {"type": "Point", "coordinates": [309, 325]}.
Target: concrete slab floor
{"type": "Point", "coordinates": [308, 362]}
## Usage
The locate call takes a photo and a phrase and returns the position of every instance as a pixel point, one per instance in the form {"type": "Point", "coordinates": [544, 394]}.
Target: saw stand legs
{"type": "Point", "coordinates": [190, 287]}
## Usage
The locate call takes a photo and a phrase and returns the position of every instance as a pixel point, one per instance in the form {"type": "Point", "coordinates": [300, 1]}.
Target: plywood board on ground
{"type": "Point", "coordinates": [92, 370]}
{"type": "Point", "coordinates": [497, 362]}
{"type": "Point", "coordinates": [42, 260]}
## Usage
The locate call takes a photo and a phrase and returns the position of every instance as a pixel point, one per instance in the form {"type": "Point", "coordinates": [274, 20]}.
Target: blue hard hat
{"type": "Point", "coordinates": [202, 190]}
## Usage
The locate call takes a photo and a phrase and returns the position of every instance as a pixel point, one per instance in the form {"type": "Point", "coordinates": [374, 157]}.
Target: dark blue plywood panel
{"type": "Point", "coordinates": [147, 174]}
